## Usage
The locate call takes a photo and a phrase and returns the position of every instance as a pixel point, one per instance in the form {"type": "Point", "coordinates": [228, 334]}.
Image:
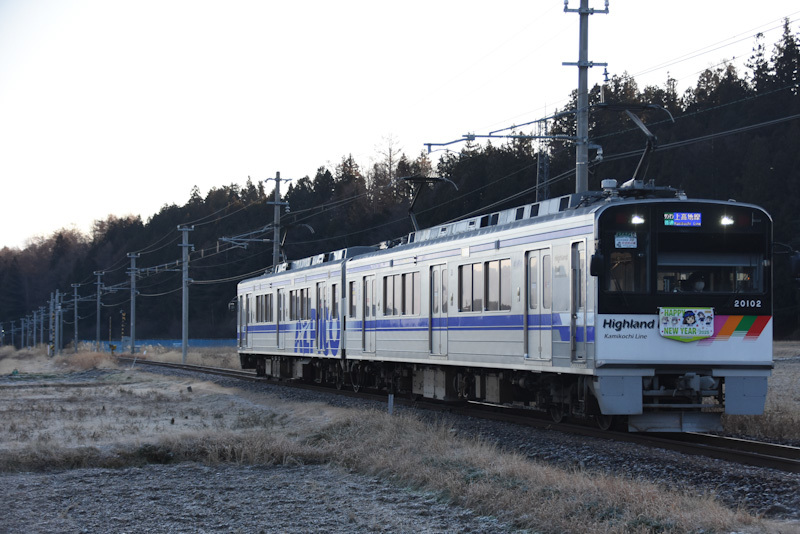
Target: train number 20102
{"type": "Point", "coordinates": [745, 303]}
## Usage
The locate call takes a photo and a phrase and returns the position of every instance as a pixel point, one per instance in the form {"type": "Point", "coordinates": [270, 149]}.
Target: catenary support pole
{"type": "Point", "coordinates": [75, 315]}
{"type": "Point", "coordinates": [276, 223]}
{"type": "Point", "coordinates": [133, 273]}
{"type": "Point", "coordinates": [185, 307]}
{"type": "Point", "coordinates": [583, 64]}
{"type": "Point", "coordinates": [99, 284]}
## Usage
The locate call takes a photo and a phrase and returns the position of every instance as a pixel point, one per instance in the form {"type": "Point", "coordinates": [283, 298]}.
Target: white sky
{"type": "Point", "coordinates": [119, 107]}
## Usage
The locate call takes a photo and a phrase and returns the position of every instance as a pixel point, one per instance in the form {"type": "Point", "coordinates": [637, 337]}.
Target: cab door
{"type": "Point", "coordinates": [578, 329]}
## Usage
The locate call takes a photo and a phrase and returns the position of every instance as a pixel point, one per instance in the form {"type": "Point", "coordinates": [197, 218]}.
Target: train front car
{"type": "Point", "coordinates": [684, 312]}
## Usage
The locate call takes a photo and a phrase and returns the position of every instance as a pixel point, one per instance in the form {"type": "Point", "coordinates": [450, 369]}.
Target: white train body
{"type": "Point", "coordinates": [576, 310]}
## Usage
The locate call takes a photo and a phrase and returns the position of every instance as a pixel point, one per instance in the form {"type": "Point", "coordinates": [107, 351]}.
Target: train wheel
{"type": "Point", "coordinates": [604, 422]}
{"type": "Point", "coordinates": [339, 378]}
{"type": "Point", "coordinates": [556, 412]}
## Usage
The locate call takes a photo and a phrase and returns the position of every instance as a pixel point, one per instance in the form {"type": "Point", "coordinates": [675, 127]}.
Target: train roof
{"type": "Point", "coordinates": [575, 204]}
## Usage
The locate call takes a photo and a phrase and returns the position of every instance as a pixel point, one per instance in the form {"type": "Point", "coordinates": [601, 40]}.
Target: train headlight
{"type": "Point", "coordinates": [637, 219]}
{"type": "Point", "coordinates": [726, 220]}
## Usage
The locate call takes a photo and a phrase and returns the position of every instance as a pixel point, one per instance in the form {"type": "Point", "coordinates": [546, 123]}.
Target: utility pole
{"type": "Point", "coordinates": [33, 336]}
{"type": "Point", "coordinates": [583, 64]}
{"type": "Point", "coordinates": [75, 314]}
{"type": "Point", "coordinates": [133, 256]}
{"type": "Point", "coordinates": [57, 348]}
{"type": "Point", "coordinates": [185, 308]}
{"type": "Point", "coordinates": [41, 324]}
{"type": "Point", "coordinates": [99, 285]}
{"type": "Point", "coordinates": [24, 324]}
{"type": "Point", "coordinates": [51, 326]}
{"type": "Point", "coordinates": [276, 221]}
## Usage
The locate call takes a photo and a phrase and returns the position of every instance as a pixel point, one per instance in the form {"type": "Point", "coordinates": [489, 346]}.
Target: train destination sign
{"type": "Point", "coordinates": [686, 324]}
{"type": "Point", "coordinates": [680, 218]}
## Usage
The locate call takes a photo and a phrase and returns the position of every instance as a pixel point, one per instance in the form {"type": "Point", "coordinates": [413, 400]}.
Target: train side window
{"type": "Point", "coordinates": [444, 289]}
{"type": "Point", "coordinates": [388, 295]}
{"type": "Point", "coordinates": [351, 299]}
{"type": "Point", "coordinates": [493, 285]}
{"type": "Point", "coordinates": [547, 283]}
{"type": "Point", "coordinates": [505, 285]}
{"type": "Point", "coordinates": [465, 288]}
{"type": "Point", "coordinates": [398, 295]}
{"type": "Point", "coordinates": [334, 301]}
{"type": "Point", "coordinates": [477, 287]}
{"type": "Point", "coordinates": [533, 282]}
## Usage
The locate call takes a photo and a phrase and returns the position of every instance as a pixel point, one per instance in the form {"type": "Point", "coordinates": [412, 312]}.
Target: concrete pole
{"type": "Point", "coordinates": [33, 336]}
{"type": "Point", "coordinates": [133, 256]}
{"type": "Point", "coordinates": [99, 285]}
{"type": "Point", "coordinates": [41, 324]}
{"type": "Point", "coordinates": [583, 64]}
{"type": "Point", "coordinates": [276, 223]}
{"type": "Point", "coordinates": [75, 315]}
{"type": "Point", "coordinates": [185, 308]}
{"type": "Point", "coordinates": [57, 349]}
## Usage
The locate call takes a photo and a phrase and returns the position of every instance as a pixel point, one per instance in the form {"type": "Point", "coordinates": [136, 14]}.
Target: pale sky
{"type": "Point", "coordinates": [120, 107]}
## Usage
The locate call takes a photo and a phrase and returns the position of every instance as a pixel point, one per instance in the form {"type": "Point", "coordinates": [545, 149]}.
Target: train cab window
{"type": "Point", "coordinates": [628, 261]}
{"type": "Point", "coordinates": [709, 272]}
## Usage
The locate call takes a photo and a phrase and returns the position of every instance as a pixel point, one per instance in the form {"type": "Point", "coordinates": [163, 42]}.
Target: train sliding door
{"type": "Point", "coordinates": [369, 309]}
{"type": "Point", "coordinates": [539, 302]}
{"type": "Point", "coordinates": [437, 324]}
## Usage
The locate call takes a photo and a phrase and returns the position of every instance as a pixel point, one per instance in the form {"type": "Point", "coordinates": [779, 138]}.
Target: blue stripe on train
{"type": "Point", "coordinates": [463, 323]}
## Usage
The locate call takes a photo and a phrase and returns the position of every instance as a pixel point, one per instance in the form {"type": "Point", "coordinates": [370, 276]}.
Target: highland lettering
{"type": "Point", "coordinates": [628, 324]}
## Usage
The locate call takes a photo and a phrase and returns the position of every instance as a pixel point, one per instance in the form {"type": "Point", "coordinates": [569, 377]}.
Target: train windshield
{"type": "Point", "coordinates": [665, 248]}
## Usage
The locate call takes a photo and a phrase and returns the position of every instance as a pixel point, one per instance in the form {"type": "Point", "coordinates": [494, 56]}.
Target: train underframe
{"type": "Point", "coordinates": [670, 401]}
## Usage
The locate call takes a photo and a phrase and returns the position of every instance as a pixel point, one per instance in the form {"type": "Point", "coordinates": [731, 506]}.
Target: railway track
{"type": "Point", "coordinates": [737, 450]}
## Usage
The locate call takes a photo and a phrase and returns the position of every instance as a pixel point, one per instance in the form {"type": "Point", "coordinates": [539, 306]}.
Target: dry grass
{"type": "Point", "coordinates": [226, 358]}
{"type": "Point", "coordinates": [133, 418]}
{"type": "Point", "coordinates": [781, 419]}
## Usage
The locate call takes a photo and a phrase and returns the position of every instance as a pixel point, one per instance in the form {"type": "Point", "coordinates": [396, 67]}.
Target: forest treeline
{"type": "Point", "coordinates": [735, 135]}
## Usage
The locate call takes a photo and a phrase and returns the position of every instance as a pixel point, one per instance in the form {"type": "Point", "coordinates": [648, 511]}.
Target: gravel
{"type": "Point", "coordinates": [228, 498]}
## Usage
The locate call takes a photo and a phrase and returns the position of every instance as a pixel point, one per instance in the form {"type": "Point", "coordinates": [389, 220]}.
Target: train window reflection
{"type": "Point", "coordinates": [713, 273]}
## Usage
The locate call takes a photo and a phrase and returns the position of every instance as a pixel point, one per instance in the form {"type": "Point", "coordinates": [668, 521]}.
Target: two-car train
{"type": "Point", "coordinates": [634, 302]}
